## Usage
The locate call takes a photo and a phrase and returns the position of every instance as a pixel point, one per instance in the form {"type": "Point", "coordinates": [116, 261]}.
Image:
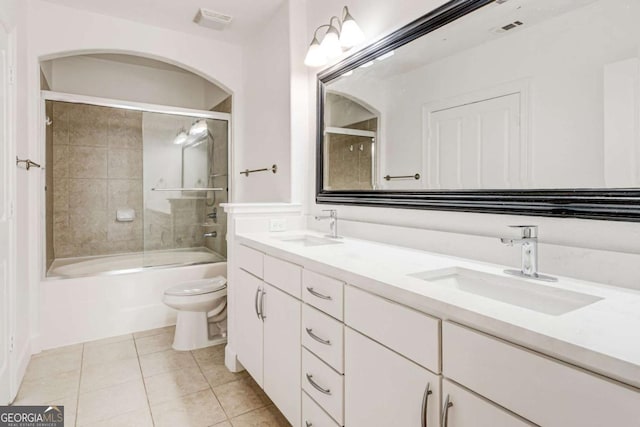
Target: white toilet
{"type": "Point", "coordinates": [199, 302]}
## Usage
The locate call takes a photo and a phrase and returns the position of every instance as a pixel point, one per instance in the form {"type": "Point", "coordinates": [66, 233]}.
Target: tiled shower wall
{"type": "Point", "coordinates": [97, 169]}
{"type": "Point", "coordinates": [350, 158]}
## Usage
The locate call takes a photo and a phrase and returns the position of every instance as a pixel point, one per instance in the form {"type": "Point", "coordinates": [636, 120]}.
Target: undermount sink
{"type": "Point", "coordinates": [519, 292]}
{"type": "Point", "coordinates": [308, 240]}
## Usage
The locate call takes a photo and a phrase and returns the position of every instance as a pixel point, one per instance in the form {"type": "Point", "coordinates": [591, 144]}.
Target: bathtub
{"type": "Point", "coordinates": [128, 263]}
{"type": "Point", "coordinates": [91, 307]}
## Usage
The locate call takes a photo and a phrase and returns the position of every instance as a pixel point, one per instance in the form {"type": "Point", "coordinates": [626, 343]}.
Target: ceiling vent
{"type": "Point", "coordinates": [211, 19]}
{"type": "Point", "coordinates": [510, 26]}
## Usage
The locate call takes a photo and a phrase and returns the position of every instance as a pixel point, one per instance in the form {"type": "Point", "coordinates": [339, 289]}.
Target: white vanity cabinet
{"type": "Point", "coordinates": [383, 388]}
{"type": "Point", "coordinates": [461, 408]}
{"type": "Point", "coordinates": [332, 354]}
{"type": "Point", "coordinates": [269, 320]}
{"type": "Point", "coordinates": [541, 389]}
{"type": "Point", "coordinates": [248, 291]}
{"type": "Point", "coordinates": [392, 360]}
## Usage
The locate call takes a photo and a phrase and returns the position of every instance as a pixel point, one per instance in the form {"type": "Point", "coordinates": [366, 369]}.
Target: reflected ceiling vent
{"type": "Point", "coordinates": [211, 19]}
{"type": "Point", "coordinates": [511, 26]}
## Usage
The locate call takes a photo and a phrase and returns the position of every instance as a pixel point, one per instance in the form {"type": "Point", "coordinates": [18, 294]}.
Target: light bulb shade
{"type": "Point", "coordinates": [181, 137]}
{"type": "Point", "coordinates": [351, 34]}
{"type": "Point", "coordinates": [198, 129]}
{"type": "Point", "coordinates": [331, 43]}
{"type": "Point", "coordinates": [315, 55]}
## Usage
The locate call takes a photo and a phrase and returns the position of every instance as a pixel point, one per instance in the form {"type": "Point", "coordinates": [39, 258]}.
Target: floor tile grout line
{"type": "Point", "coordinates": [144, 384]}
{"type": "Point", "coordinates": [215, 396]}
{"type": "Point", "coordinates": [75, 421]}
{"type": "Point", "coordinates": [110, 385]}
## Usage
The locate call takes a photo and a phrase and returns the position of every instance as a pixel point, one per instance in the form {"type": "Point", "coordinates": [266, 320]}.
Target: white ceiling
{"type": "Point", "coordinates": [248, 15]}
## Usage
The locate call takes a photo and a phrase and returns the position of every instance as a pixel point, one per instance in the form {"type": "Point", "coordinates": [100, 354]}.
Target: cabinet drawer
{"type": "Point", "coordinates": [283, 275]}
{"type": "Point", "coordinates": [323, 384]}
{"type": "Point", "coordinates": [538, 388]}
{"type": "Point", "coordinates": [323, 292]}
{"type": "Point", "coordinates": [413, 334]}
{"type": "Point", "coordinates": [250, 260]}
{"type": "Point", "coordinates": [467, 409]}
{"type": "Point", "coordinates": [314, 415]}
{"type": "Point", "coordinates": [323, 336]}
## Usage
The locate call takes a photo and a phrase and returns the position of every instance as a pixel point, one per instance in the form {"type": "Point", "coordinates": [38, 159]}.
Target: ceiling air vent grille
{"type": "Point", "coordinates": [510, 26]}
{"type": "Point", "coordinates": [211, 19]}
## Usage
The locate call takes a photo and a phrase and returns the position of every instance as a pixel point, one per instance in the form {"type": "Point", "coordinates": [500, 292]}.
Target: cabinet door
{"type": "Point", "coordinates": [384, 389]}
{"type": "Point", "coordinates": [467, 409]}
{"type": "Point", "coordinates": [248, 323]}
{"type": "Point", "coordinates": [282, 352]}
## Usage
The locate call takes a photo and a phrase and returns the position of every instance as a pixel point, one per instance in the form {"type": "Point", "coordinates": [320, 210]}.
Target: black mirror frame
{"type": "Point", "coordinates": [602, 204]}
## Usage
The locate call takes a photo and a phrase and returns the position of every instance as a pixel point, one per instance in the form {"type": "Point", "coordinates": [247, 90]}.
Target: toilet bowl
{"type": "Point", "coordinates": [194, 300]}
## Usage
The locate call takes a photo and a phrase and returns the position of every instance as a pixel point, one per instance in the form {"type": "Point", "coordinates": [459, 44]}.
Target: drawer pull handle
{"type": "Point", "coordinates": [255, 303]}
{"type": "Point", "coordinates": [445, 411]}
{"type": "Point", "coordinates": [425, 404]}
{"type": "Point", "coordinates": [262, 294]}
{"type": "Point", "coordinates": [317, 338]}
{"type": "Point", "coordinates": [316, 386]}
{"type": "Point", "coordinates": [319, 295]}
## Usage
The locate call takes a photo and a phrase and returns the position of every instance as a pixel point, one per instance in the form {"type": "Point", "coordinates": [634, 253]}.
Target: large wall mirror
{"type": "Point", "coordinates": [506, 106]}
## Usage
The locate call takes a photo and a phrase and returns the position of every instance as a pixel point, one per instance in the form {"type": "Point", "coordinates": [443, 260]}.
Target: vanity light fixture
{"type": "Point", "coordinates": [338, 38]}
{"type": "Point", "coordinates": [181, 137]}
{"type": "Point", "coordinates": [198, 128]}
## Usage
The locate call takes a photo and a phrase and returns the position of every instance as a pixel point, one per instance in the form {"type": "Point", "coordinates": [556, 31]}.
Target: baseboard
{"type": "Point", "coordinates": [23, 357]}
{"type": "Point", "coordinates": [231, 360]}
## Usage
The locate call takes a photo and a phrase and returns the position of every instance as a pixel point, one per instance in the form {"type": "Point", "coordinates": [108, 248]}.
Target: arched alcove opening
{"type": "Point", "coordinates": [136, 163]}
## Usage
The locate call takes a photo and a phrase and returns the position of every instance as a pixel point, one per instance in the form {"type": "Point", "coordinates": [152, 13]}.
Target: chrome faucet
{"type": "Point", "coordinates": [333, 222]}
{"type": "Point", "coordinates": [529, 241]}
{"type": "Point", "coordinates": [210, 234]}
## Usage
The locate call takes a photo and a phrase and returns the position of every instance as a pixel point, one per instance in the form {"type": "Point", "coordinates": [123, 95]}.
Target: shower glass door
{"type": "Point", "coordinates": [127, 189]}
{"type": "Point", "coordinates": [185, 181]}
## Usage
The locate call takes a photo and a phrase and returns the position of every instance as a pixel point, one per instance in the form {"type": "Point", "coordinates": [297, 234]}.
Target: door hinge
{"type": "Point", "coordinates": [12, 76]}
{"type": "Point", "coordinates": [11, 344]}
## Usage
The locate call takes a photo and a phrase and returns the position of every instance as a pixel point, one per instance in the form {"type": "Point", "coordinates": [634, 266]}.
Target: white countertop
{"type": "Point", "coordinates": [603, 337]}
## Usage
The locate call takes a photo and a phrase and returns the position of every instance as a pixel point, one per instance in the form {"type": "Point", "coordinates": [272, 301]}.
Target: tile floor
{"type": "Point", "coordinates": [137, 380]}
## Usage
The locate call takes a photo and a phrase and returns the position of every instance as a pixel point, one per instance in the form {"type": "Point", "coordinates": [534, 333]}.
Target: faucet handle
{"type": "Point", "coordinates": [527, 231]}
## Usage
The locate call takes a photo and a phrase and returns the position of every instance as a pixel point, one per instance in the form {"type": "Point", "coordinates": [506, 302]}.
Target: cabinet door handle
{"type": "Point", "coordinates": [317, 338]}
{"type": "Point", "coordinates": [316, 386]}
{"type": "Point", "coordinates": [425, 404]}
{"type": "Point", "coordinates": [262, 294]}
{"type": "Point", "coordinates": [255, 303]}
{"type": "Point", "coordinates": [319, 295]}
{"type": "Point", "coordinates": [445, 411]}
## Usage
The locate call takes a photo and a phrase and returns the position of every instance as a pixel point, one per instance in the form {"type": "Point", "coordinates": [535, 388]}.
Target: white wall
{"type": "Point", "coordinates": [85, 75]}
{"type": "Point", "coordinates": [566, 141]}
{"type": "Point", "coordinates": [598, 250]}
{"type": "Point", "coordinates": [52, 31]}
{"type": "Point", "coordinates": [266, 80]}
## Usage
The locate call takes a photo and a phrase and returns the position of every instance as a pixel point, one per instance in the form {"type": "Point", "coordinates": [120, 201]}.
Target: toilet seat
{"type": "Point", "coordinates": [198, 287]}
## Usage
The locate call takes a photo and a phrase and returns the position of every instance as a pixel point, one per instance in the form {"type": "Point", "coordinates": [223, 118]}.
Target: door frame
{"type": "Point", "coordinates": [10, 187]}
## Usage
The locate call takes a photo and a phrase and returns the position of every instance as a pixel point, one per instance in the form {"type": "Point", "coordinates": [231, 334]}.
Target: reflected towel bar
{"type": "Point", "coordinates": [188, 189]}
{"type": "Point", "coordinates": [273, 169]}
{"type": "Point", "coordinates": [28, 163]}
{"type": "Point", "coordinates": [389, 177]}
